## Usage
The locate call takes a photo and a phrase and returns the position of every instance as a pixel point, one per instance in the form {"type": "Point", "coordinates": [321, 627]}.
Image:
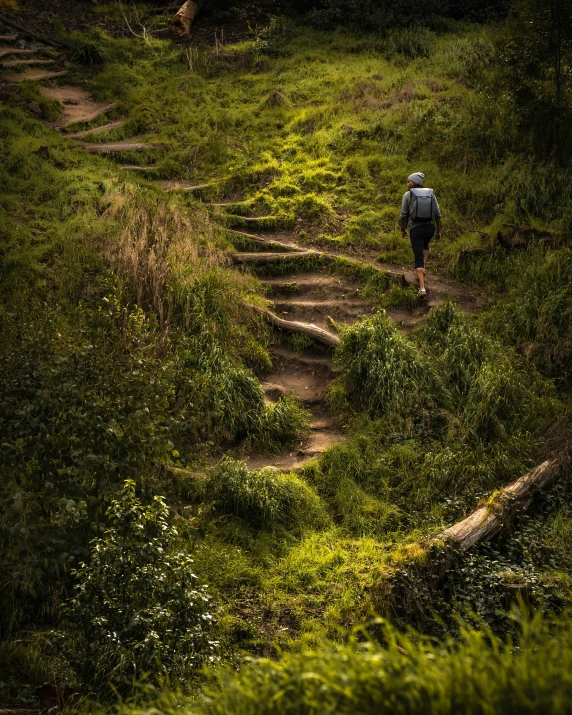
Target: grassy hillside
{"type": "Point", "coordinates": [127, 354]}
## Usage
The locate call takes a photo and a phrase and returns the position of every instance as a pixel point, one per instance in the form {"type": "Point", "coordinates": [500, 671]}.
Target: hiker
{"type": "Point", "coordinates": [420, 211]}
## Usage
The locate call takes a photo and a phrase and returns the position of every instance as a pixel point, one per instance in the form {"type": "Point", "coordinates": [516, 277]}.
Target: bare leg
{"type": "Point", "coordinates": [425, 256]}
{"type": "Point", "coordinates": [421, 277]}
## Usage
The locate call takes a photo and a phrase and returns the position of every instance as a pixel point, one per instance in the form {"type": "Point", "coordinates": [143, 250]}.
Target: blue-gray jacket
{"type": "Point", "coordinates": [404, 216]}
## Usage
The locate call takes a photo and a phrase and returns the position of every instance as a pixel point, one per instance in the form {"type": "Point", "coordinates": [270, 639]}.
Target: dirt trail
{"type": "Point", "coordinates": [324, 299]}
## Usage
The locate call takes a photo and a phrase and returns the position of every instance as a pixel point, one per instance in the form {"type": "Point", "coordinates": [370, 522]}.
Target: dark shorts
{"type": "Point", "coordinates": [420, 237]}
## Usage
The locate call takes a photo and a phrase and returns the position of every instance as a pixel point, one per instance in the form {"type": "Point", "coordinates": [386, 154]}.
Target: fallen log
{"type": "Point", "coordinates": [182, 22]}
{"type": "Point", "coordinates": [430, 560]}
{"type": "Point", "coordinates": [487, 521]}
{"type": "Point", "coordinates": [35, 35]}
{"type": "Point", "coordinates": [319, 334]}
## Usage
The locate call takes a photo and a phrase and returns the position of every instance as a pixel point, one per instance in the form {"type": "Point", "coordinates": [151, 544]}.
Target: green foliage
{"type": "Point", "coordinates": [537, 50]}
{"type": "Point", "coordinates": [138, 607]}
{"type": "Point", "coordinates": [264, 499]}
{"type": "Point", "coordinates": [381, 369]}
{"type": "Point", "coordinates": [407, 674]}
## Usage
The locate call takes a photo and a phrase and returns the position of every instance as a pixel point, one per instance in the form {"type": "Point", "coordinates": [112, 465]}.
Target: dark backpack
{"type": "Point", "coordinates": [421, 205]}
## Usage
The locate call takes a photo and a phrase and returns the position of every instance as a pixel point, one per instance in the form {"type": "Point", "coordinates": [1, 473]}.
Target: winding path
{"type": "Point", "coordinates": [319, 297]}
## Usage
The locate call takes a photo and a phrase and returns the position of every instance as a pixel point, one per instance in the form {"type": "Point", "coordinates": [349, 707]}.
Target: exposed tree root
{"type": "Point", "coordinates": [270, 257]}
{"type": "Point", "coordinates": [267, 242]}
{"type": "Point", "coordinates": [319, 334]}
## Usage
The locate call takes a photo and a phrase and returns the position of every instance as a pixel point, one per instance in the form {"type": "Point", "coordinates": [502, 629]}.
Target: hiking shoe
{"type": "Point", "coordinates": [421, 292]}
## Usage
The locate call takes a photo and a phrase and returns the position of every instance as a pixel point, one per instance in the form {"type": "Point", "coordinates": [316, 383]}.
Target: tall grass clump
{"type": "Point", "coordinates": [493, 393]}
{"type": "Point", "coordinates": [382, 370]}
{"type": "Point", "coordinates": [263, 498]}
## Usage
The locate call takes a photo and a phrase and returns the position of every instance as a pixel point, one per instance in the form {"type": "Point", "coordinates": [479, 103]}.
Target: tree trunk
{"type": "Point", "coordinates": [183, 20]}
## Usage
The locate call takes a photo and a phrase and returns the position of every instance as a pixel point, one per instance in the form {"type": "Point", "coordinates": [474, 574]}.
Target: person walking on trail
{"type": "Point", "coordinates": [420, 211]}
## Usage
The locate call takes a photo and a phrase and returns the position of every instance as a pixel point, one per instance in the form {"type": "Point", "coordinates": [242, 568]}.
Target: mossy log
{"type": "Point", "coordinates": [182, 22]}
{"type": "Point", "coordinates": [488, 520]}
{"type": "Point", "coordinates": [319, 334]}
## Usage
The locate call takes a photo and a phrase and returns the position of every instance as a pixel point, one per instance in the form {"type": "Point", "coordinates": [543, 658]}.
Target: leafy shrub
{"type": "Point", "coordinates": [138, 606]}
{"type": "Point", "coordinates": [381, 369]}
{"type": "Point", "coordinates": [263, 498]}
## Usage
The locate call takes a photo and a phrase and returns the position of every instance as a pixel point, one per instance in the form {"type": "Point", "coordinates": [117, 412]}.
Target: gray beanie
{"type": "Point", "coordinates": [417, 178]}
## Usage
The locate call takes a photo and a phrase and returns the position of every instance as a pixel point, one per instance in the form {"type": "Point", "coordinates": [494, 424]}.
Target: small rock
{"type": "Point", "coordinates": [35, 107]}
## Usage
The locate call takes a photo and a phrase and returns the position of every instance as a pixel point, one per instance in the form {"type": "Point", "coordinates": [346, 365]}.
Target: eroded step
{"type": "Point", "coordinates": [137, 167]}
{"type": "Point", "coordinates": [268, 257]}
{"type": "Point", "coordinates": [98, 130]}
{"type": "Point", "coordinates": [78, 107]}
{"type": "Point", "coordinates": [318, 284]}
{"type": "Point", "coordinates": [321, 311]}
{"type": "Point", "coordinates": [307, 375]}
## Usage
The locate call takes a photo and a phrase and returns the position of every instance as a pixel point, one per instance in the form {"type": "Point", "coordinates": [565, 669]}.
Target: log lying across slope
{"type": "Point", "coordinates": [432, 559]}
{"type": "Point", "coordinates": [486, 522]}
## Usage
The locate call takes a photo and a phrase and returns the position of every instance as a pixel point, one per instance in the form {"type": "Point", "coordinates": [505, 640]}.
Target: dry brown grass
{"type": "Point", "coordinates": [162, 251]}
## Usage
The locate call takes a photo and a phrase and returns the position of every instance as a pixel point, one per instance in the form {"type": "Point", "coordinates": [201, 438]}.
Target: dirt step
{"type": "Point", "coordinates": [7, 64]}
{"type": "Point", "coordinates": [98, 130]}
{"type": "Point", "coordinates": [5, 51]}
{"type": "Point", "coordinates": [77, 105]}
{"type": "Point", "coordinates": [125, 145]}
{"type": "Point", "coordinates": [319, 285]}
{"type": "Point", "coordinates": [310, 359]}
{"type": "Point", "coordinates": [34, 76]}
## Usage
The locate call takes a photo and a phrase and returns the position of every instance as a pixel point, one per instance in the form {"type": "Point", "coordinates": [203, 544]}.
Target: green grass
{"type": "Point", "coordinates": [407, 674]}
